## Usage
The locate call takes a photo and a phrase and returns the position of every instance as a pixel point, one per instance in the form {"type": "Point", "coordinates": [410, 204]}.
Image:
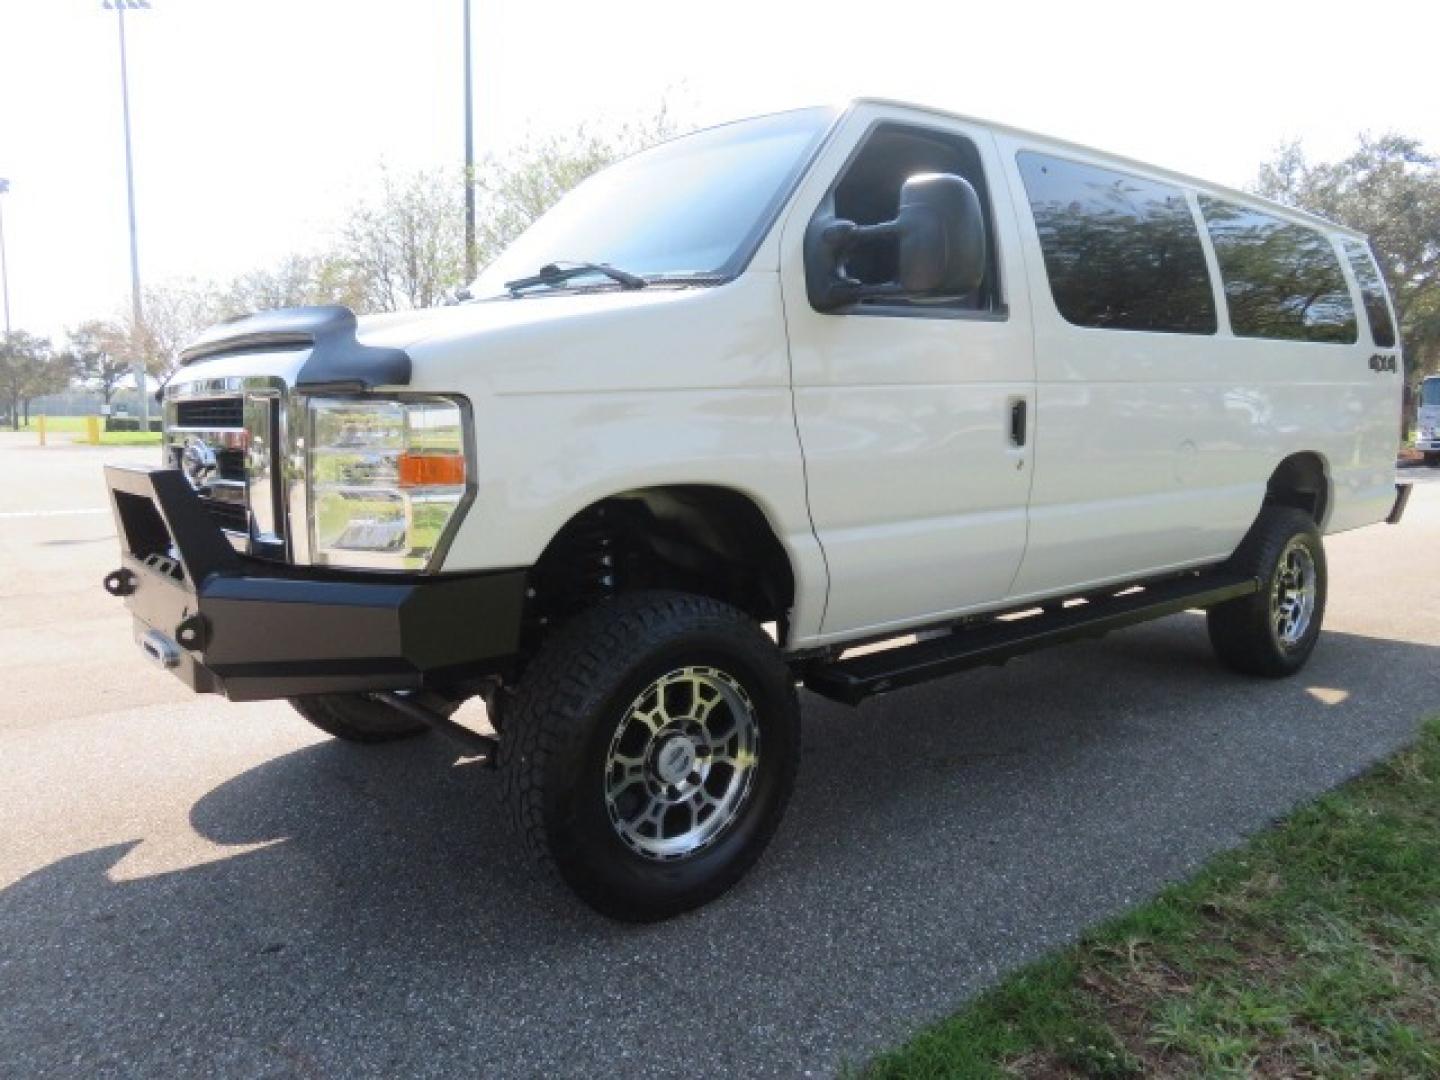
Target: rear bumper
{"type": "Point", "coordinates": [252, 630]}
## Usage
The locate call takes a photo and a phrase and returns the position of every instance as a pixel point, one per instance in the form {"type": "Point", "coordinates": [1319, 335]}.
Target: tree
{"type": "Point", "coordinates": [1389, 189]}
{"type": "Point", "coordinates": [28, 369]}
{"type": "Point", "coordinates": [96, 357]}
{"type": "Point", "coordinates": [406, 247]}
{"type": "Point", "coordinates": [50, 376]}
{"type": "Point", "coordinates": [298, 281]}
{"type": "Point", "coordinates": [174, 314]}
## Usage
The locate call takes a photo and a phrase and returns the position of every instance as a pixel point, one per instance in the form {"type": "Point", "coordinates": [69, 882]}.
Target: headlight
{"type": "Point", "coordinates": [386, 479]}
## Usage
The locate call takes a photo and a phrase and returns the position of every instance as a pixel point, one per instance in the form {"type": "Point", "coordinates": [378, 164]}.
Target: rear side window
{"type": "Point", "coordinates": [1372, 293]}
{"type": "Point", "coordinates": [1121, 252]}
{"type": "Point", "coordinates": [1282, 280]}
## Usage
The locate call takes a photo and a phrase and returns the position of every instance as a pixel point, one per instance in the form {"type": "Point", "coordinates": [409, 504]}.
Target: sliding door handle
{"type": "Point", "coordinates": [1019, 421]}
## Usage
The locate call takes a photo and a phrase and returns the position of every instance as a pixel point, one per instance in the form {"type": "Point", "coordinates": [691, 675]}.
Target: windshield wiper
{"type": "Point", "coordinates": [557, 273]}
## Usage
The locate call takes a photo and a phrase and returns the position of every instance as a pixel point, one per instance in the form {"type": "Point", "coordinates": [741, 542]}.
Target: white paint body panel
{"type": "Point", "coordinates": [1153, 450]}
{"type": "Point", "coordinates": [917, 495]}
{"type": "Point", "coordinates": [878, 447]}
{"type": "Point", "coordinates": [577, 398]}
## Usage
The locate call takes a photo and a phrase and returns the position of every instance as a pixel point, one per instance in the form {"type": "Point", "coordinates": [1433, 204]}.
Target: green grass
{"type": "Point", "coordinates": [1312, 951]}
{"type": "Point", "coordinates": [75, 426]}
{"type": "Point", "coordinates": [61, 423]}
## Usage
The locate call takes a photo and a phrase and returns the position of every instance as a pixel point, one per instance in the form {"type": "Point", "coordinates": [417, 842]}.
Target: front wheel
{"type": "Point", "coordinates": [1273, 631]}
{"type": "Point", "coordinates": [650, 750]}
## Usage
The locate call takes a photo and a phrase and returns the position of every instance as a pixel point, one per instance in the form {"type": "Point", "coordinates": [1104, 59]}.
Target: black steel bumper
{"type": "Point", "coordinates": [251, 630]}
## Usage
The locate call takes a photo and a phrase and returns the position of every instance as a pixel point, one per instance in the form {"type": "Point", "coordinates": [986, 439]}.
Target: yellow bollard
{"type": "Point", "coordinates": [42, 429]}
{"type": "Point", "coordinates": [92, 430]}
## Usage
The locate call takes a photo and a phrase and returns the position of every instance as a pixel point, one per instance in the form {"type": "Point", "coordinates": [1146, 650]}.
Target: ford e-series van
{"type": "Point", "coordinates": [737, 405]}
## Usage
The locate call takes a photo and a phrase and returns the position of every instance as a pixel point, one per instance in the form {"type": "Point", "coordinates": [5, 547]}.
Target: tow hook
{"type": "Point", "coordinates": [191, 632]}
{"type": "Point", "coordinates": [120, 582]}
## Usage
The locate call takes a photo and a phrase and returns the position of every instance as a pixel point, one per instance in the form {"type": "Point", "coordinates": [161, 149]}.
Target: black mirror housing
{"type": "Point", "coordinates": [940, 236]}
{"type": "Point", "coordinates": [941, 230]}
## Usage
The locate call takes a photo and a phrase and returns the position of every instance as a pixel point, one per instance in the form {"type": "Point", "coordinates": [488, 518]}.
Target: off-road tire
{"type": "Point", "coordinates": [357, 718]}
{"type": "Point", "coordinates": [1242, 631]}
{"type": "Point", "coordinates": [558, 729]}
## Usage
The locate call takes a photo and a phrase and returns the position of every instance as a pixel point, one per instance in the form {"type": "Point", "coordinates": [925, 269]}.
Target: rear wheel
{"type": "Point", "coordinates": [357, 718]}
{"type": "Point", "coordinates": [1272, 632]}
{"type": "Point", "coordinates": [650, 750]}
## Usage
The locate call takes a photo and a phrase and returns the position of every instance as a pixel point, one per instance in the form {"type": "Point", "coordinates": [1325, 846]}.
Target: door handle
{"type": "Point", "coordinates": [1019, 414]}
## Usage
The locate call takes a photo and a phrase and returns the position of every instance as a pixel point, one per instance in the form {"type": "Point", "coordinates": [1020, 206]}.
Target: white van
{"type": "Point", "coordinates": [1427, 420]}
{"type": "Point", "coordinates": [743, 402]}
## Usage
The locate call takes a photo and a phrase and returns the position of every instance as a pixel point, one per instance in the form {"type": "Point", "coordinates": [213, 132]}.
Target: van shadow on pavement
{"type": "Point", "coordinates": [938, 838]}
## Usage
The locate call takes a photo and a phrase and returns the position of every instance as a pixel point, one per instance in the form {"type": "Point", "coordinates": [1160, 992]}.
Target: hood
{"type": "Point", "coordinates": [437, 326]}
{"type": "Point", "coordinates": [559, 342]}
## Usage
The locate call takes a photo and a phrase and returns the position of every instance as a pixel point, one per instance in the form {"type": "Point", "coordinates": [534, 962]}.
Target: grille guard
{"type": "Point", "coordinates": [254, 630]}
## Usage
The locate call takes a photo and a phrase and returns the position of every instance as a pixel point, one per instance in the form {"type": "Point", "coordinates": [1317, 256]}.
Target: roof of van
{"type": "Point", "coordinates": [1280, 209]}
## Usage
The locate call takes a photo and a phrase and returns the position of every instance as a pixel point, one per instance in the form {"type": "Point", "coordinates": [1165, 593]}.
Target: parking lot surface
{"type": "Point", "coordinates": [192, 886]}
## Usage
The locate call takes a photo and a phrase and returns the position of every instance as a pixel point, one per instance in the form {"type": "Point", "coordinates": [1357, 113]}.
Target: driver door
{"type": "Point", "coordinates": [916, 419]}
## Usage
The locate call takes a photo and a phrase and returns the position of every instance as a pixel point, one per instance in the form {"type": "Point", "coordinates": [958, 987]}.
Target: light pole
{"type": "Point", "coordinates": [469, 158]}
{"type": "Point", "coordinates": [4, 265]}
{"type": "Point", "coordinates": [120, 7]}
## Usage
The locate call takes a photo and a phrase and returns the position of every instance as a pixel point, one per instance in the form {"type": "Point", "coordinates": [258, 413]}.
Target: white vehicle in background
{"type": "Point", "coordinates": [819, 379]}
{"type": "Point", "coordinates": [1427, 420]}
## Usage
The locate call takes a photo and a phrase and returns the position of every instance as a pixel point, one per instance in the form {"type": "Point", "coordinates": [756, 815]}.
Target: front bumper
{"type": "Point", "coordinates": [251, 630]}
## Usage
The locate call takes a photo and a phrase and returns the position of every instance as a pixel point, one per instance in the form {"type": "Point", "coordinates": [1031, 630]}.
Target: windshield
{"type": "Point", "coordinates": [691, 206]}
{"type": "Point", "coordinates": [1430, 393]}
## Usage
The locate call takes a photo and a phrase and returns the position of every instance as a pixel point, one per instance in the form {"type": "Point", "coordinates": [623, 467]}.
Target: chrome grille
{"type": "Point", "coordinates": [223, 413]}
{"type": "Point", "coordinates": [225, 436]}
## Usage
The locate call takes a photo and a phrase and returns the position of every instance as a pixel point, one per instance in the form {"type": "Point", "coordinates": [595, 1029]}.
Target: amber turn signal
{"type": "Point", "coordinates": [432, 470]}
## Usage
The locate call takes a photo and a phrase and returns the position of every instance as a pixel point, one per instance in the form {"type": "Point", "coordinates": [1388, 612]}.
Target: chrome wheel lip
{"type": "Point", "coordinates": [681, 763]}
{"type": "Point", "coordinates": [1294, 592]}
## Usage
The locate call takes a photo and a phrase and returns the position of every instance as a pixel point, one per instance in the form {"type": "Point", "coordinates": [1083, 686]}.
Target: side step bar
{"type": "Point", "coordinates": [854, 679]}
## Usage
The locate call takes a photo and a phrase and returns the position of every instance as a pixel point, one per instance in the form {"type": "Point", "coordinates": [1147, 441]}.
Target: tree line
{"type": "Point", "coordinates": [403, 248]}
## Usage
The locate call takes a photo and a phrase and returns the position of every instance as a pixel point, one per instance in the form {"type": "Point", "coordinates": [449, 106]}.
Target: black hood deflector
{"type": "Point", "coordinates": [337, 360]}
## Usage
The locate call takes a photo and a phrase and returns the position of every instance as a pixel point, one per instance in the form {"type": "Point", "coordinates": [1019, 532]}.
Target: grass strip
{"type": "Point", "coordinates": [1314, 950]}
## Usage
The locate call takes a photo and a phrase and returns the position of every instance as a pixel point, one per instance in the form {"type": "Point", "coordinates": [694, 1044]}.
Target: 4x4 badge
{"type": "Point", "coordinates": [1383, 362]}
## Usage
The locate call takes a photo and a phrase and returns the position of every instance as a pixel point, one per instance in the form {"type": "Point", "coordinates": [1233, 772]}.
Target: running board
{"type": "Point", "coordinates": [854, 679]}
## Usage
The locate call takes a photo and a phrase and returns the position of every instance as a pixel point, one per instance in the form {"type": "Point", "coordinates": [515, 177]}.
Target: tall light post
{"type": "Point", "coordinates": [4, 265]}
{"type": "Point", "coordinates": [469, 157]}
{"type": "Point", "coordinates": [120, 7]}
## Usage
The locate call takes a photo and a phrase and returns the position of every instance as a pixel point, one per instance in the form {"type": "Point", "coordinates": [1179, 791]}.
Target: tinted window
{"type": "Point", "coordinates": [1282, 280]}
{"type": "Point", "coordinates": [1372, 293]}
{"type": "Point", "coordinates": [1121, 252]}
{"type": "Point", "coordinates": [1430, 393]}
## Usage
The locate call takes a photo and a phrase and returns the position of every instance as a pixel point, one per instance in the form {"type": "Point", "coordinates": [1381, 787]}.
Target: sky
{"type": "Point", "coordinates": [256, 122]}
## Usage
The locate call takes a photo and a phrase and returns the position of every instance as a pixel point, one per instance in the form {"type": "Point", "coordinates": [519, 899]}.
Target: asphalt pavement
{"type": "Point", "coordinates": [189, 886]}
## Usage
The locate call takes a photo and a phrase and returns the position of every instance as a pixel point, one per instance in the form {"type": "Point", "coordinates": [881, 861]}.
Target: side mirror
{"type": "Point", "coordinates": [939, 235]}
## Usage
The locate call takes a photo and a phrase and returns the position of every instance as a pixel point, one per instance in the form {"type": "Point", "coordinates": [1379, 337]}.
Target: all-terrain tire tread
{"type": "Point", "coordinates": [334, 714]}
{"type": "Point", "coordinates": [571, 675]}
{"type": "Point", "coordinates": [1239, 629]}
